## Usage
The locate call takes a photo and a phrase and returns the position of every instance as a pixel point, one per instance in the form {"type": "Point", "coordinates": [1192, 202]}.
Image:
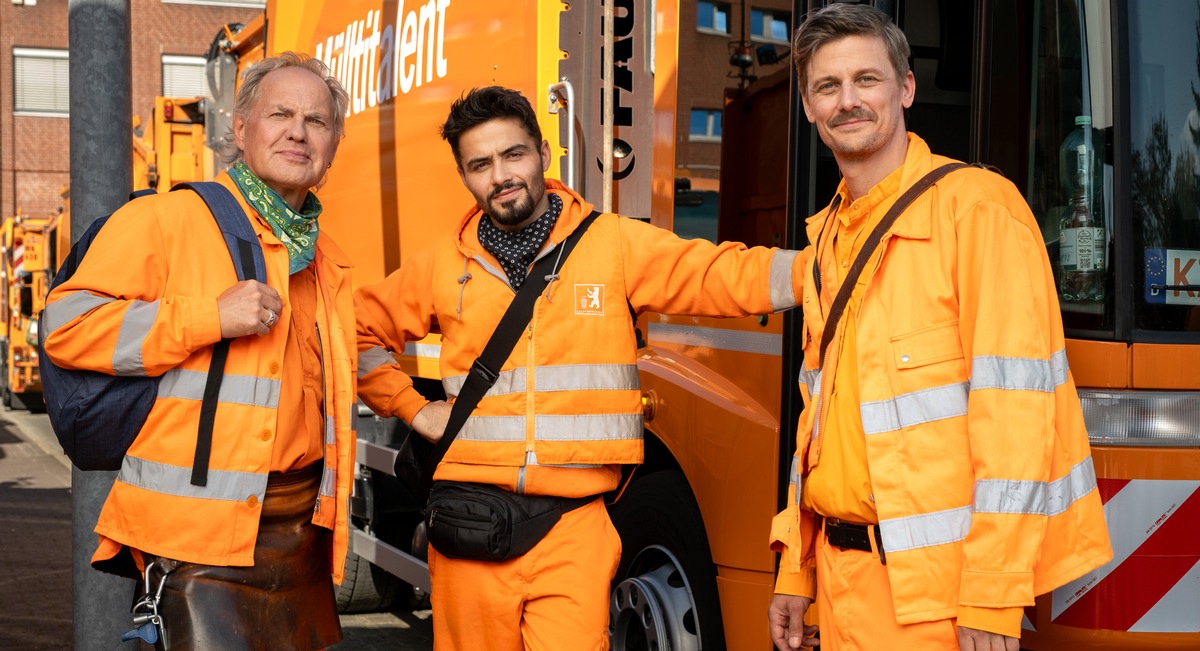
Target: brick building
{"type": "Point", "coordinates": [709, 33]}
{"type": "Point", "coordinates": [169, 41]}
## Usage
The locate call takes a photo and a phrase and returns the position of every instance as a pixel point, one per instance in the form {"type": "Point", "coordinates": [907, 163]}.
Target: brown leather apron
{"type": "Point", "coordinates": [284, 602]}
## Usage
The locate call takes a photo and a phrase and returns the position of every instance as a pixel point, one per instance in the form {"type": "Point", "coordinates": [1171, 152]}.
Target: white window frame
{"type": "Point", "coordinates": [39, 53]}
{"type": "Point", "coordinates": [717, 7]}
{"type": "Point", "coordinates": [182, 60]}
{"type": "Point", "coordinates": [713, 115]}
{"type": "Point", "coordinates": [770, 15]}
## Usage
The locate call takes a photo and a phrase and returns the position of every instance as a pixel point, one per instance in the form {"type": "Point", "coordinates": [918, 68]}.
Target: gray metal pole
{"type": "Point", "coordinates": [101, 179]}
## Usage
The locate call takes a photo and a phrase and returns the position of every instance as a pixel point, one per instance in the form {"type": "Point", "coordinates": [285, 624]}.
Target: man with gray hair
{"type": "Point", "coordinates": [244, 557]}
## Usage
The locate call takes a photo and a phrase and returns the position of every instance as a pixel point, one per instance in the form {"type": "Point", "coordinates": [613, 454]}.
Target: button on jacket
{"type": "Point", "coordinates": [567, 405]}
{"type": "Point", "coordinates": [979, 459]}
{"type": "Point", "coordinates": [143, 303]}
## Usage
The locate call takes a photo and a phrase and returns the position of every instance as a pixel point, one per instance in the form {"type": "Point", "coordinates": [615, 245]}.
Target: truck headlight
{"type": "Point", "coordinates": [1142, 418]}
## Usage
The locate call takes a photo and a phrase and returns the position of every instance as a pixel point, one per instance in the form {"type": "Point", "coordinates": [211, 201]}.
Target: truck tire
{"type": "Point", "coordinates": [365, 588]}
{"type": "Point", "coordinates": [664, 595]}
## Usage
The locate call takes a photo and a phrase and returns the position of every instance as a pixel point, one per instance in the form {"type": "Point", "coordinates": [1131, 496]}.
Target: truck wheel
{"type": "Point", "coordinates": [365, 588]}
{"type": "Point", "coordinates": [664, 595]}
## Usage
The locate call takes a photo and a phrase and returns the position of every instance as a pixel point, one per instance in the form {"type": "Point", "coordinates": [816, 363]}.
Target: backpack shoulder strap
{"type": "Point", "coordinates": [239, 235]}
{"type": "Point", "coordinates": [248, 260]}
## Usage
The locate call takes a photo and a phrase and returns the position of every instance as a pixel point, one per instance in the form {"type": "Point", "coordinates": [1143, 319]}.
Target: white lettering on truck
{"type": "Point", "coordinates": [375, 62]}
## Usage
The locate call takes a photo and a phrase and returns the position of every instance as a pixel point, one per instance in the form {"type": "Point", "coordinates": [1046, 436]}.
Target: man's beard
{"type": "Point", "coordinates": [512, 212]}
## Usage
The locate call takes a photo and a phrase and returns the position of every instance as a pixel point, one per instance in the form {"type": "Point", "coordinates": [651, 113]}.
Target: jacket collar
{"type": "Point", "coordinates": [574, 211]}
{"type": "Point", "coordinates": [912, 224]}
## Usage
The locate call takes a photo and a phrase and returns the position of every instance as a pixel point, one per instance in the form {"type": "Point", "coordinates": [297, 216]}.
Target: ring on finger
{"type": "Point", "coordinates": [271, 318]}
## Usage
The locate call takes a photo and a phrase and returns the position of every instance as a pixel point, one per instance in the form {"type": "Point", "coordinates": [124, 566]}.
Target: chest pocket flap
{"type": "Point", "coordinates": [931, 344]}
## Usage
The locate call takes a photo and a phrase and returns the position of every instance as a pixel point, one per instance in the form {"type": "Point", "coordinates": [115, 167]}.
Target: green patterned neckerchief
{"type": "Point", "coordinates": [297, 230]}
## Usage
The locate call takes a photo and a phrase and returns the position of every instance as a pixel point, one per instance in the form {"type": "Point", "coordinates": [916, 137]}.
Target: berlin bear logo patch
{"type": "Point", "coordinates": [589, 299]}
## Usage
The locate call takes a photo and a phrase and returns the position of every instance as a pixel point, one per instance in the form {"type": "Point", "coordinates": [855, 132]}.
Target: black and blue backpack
{"type": "Point", "coordinates": [96, 416]}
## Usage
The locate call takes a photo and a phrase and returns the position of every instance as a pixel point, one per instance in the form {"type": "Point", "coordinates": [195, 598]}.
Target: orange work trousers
{"type": "Point", "coordinates": [854, 606]}
{"type": "Point", "coordinates": [554, 597]}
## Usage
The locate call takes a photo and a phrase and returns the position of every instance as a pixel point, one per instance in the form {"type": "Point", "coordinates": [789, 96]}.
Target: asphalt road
{"type": "Point", "coordinates": [35, 553]}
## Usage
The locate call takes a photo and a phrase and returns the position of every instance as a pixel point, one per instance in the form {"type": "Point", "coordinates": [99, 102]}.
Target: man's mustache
{"type": "Point", "coordinates": [857, 114]}
{"type": "Point", "coordinates": [504, 188]}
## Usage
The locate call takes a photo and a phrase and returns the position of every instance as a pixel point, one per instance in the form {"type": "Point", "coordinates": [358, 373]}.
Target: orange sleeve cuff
{"type": "Point", "coordinates": [1004, 621]}
{"type": "Point", "coordinates": [797, 584]}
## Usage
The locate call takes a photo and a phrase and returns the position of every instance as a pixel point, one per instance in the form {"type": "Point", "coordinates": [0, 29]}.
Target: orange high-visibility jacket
{"type": "Point", "coordinates": [980, 466]}
{"type": "Point", "coordinates": [143, 302]}
{"type": "Point", "coordinates": [569, 395]}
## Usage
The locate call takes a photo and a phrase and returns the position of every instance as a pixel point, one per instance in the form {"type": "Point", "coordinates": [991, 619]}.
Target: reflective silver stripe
{"type": "Point", "coordinates": [1011, 373]}
{"type": "Point", "coordinates": [586, 427]}
{"type": "Point", "coordinates": [569, 377]}
{"type": "Point", "coordinates": [812, 380]}
{"type": "Point", "coordinates": [816, 417]}
{"type": "Point", "coordinates": [62, 311]}
{"type": "Point", "coordinates": [586, 377]}
{"type": "Point", "coordinates": [1059, 368]}
{"type": "Point", "coordinates": [783, 295]}
{"type": "Point", "coordinates": [328, 482]}
{"type": "Point", "coordinates": [794, 476]}
{"type": "Point", "coordinates": [1035, 497]}
{"type": "Point", "coordinates": [330, 431]}
{"type": "Point", "coordinates": [763, 343]}
{"type": "Point", "coordinates": [177, 480]}
{"type": "Point", "coordinates": [433, 351]}
{"type": "Point", "coordinates": [914, 408]}
{"type": "Point", "coordinates": [507, 382]}
{"type": "Point", "coordinates": [493, 428]}
{"type": "Point", "coordinates": [372, 358]}
{"type": "Point", "coordinates": [925, 530]}
{"type": "Point", "coordinates": [135, 327]}
{"type": "Point", "coordinates": [589, 427]}
{"type": "Point", "coordinates": [235, 389]}
{"type": "Point", "coordinates": [532, 460]}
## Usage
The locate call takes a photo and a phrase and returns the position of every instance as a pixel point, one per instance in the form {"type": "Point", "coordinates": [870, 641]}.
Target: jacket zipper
{"type": "Point", "coordinates": [530, 416]}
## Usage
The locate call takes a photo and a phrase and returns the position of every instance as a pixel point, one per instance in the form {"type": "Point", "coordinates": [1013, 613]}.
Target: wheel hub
{"type": "Point", "coordinates": [653, 609]}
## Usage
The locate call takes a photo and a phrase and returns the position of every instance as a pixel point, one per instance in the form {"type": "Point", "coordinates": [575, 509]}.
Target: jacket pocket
{"type": "Point", "coordinates": [929, 345]}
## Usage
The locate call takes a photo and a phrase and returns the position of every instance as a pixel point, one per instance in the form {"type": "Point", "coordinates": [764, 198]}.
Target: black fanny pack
{"type": "Point", "coordinates": [480, 522]}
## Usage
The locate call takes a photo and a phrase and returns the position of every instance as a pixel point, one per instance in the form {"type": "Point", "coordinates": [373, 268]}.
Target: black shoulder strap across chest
{"type": "Point", "coordinates": [486, 369]}
{"type": "Point", "coordinates": [868, 247]}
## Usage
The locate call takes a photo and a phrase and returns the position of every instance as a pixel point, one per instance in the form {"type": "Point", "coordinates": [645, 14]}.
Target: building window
{"type": "Point", "coordinates": [183, 76]}
{"type": "Point", "coordinates": [40, 80]}
{"type": "Point", "coordinates": [712, 17]}
{"type": "Point", "coordinates": [706, 125]}
{"type": "Point", "coordinates": [220, 3]}
{"type": "Point", "coordinates": [770, 25]}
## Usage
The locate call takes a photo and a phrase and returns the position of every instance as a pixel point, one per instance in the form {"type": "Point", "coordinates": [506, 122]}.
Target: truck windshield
{"type": "Point", "coordinates": [1164, 89]}
{"type": "Point", "coordinates": [1049, 124]}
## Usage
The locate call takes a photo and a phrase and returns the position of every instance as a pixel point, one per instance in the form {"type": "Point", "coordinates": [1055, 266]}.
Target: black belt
{"type": "Point", "coordinates": [854, 536]}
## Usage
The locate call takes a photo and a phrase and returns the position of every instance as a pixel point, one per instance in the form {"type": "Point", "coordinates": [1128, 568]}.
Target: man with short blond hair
{"type": "Point", "coordinates": [942, 477]}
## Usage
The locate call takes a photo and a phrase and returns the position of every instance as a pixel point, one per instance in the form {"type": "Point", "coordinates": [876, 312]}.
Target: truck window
{"type": "Point", "coordinates": [1052, 71]}
{"type": "Point", "coordinates": [1164, 88]}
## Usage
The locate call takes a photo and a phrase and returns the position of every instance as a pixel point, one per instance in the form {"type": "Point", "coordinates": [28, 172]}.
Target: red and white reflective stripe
{"type": "Point", "coordinates": [19, 259]}
{"type": "Point", "coordinates": [1152, 585]}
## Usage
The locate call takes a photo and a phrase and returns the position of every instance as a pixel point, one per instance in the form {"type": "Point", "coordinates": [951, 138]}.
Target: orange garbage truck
{"type": "Point", "coordinates": [27, 246]}
{"type": "Point", "coordinates": [1082, 103]}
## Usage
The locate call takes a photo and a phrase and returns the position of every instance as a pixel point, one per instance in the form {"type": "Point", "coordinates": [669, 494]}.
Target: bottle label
{"type": "Point", "coordinates": [1081, 249]}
